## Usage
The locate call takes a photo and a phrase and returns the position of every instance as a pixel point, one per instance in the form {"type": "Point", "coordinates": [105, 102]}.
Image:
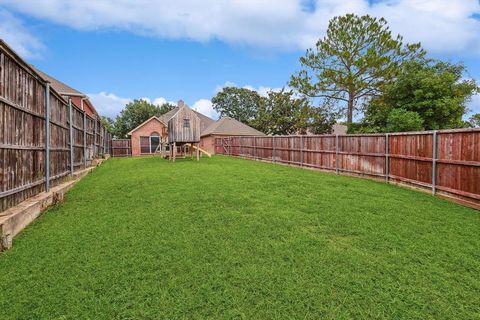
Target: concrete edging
{"type": "Point", "coordinates": [15, 219]}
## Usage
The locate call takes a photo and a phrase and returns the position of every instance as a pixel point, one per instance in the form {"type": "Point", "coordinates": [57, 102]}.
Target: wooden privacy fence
{"type": "Point", "coordinates": [447, 161]}
{"type": "Point", "coordinates": [43, 137]}
{"type": "Point", "coordinates": [121, 148]}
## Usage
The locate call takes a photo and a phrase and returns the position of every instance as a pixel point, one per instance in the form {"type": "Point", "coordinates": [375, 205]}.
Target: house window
{"type": "Point", "coordinates": [144, 144]}
{"type": "Point", "coordinates": [186, 123]}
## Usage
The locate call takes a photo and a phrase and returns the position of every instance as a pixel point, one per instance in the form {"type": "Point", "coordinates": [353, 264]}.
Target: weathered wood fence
{"type": "Point", "coordinates": [43, 137]}
{"type": "Point", "coordinates": [446, 161]}
{"type": "Point", "coordinates": [121, 148]}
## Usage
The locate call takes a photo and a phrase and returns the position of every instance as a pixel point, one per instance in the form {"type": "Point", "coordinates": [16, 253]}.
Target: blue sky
{"type": "Point", "coordinates": [165, 50]}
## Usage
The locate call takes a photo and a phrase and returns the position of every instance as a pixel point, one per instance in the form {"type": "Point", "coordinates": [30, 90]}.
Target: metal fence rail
{"type": "Point", "coordinates": [446, 161]}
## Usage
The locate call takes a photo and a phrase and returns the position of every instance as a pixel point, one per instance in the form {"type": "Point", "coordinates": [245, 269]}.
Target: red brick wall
{"type": "Point", "coordinates": [86, 105]}
{"type": "Point", "coordinates": [146, 130]}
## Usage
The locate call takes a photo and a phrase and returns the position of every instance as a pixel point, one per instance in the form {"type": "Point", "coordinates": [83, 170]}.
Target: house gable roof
{"type": "Point", "coordinates": [144, 123]}
{"type": "Point", "coordinates": [231, 127]}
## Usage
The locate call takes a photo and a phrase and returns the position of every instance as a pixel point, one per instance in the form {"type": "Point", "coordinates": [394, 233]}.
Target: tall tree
{"type": "Point", "coordinates": [353, 62]}
{"type": "Point", "coordinates": [132, 115]}
{"type": "Point", "coordinates": [237, 103]}
{"type": "Point", "coordinates": [437, 92]}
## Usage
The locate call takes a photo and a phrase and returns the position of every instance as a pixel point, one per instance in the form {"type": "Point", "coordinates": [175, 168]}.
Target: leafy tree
{"type": "Point", "coordinates": [400, 120]}
{"type": "Point", "coordinates": [134, 114]}
{"type": "Point", "coordinates": [322, 119]}
{"type": "Point", "coordinates": [474, 121]}
{"type": "Point", "coordinates": [237, 103]}
{"type": "Point", "coordinates": [280, 113]}
{"type": "Point", "coordinates": [435, 90]}
{"type": "Point", "coordinates": [108, 123]}
{"type": "Point", "coordinates": [353, 62]}
{"type": "Point", "coordinates": [262, 119]}
{"type": "Point", "coordinates": [164, 108]}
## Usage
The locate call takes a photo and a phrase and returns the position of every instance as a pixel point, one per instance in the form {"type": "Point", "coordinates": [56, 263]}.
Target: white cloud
{"type": "Point", "coordinates": [441, 25]}
{"type": "Point", "coordinates": [204, 106]}
{"type": "Point", "coordinates": [16, 35]}
{"type": "Point", "coordinates": [162, 100]}
{"type": "Point", "coordinates": [108, 104]}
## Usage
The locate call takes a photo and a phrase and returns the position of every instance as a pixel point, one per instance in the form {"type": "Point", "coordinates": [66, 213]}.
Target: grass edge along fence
{"type": "Point", "coordinates": [44, 138]}
{"type": "Point", "coordinates": [445, 161]}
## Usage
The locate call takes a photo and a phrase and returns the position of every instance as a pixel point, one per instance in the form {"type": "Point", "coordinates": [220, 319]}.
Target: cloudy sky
{"type": "Point", "coordinates": [165, 50]}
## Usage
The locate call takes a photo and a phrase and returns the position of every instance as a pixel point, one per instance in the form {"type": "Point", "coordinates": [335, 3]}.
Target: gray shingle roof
{"type": "Point", "coordinates": [231, 127]}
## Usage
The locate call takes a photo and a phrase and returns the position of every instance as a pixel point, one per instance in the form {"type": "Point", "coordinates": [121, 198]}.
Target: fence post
{"type": "Point", "coordinates": [301, 150]}
{"type": "Point", "coordinates": [106, 142]}
{"type": "Point", "coordinates": [47, 137]}
{"type": "Point", "coordinates": [85, 139]}
{"type": "Point", "coordinates": [240, 143]}
{"type": "Point", "coordinates": [336, 154]}
{"type": "Point", "coordinates": [434, 162]}
{"type": "Point", "coordinates": [255, 148]}
{"type": "Point", "coordinates": [273, 150]}
{"type": "Point", "coordinates": [102, 130]}
{"type": "Point", "coordinates": [95, 149]}
{"type": "Point", "coordinates": [387, 157]}
{"type": "Point", "coordinates": [72, 165]}
{"type": "Point", "coordinates": [105, 137]}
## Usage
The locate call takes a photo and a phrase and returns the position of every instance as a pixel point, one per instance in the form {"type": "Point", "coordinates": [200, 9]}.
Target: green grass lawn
{"type": "Point", "coordinates": [224, 238]}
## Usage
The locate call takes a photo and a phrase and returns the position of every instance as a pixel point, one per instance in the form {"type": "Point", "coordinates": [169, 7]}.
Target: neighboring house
{"type": "Point", "coordinates": [78, 98]}
{"type": "Point", "coordinates": [224, 128]}
{"type": "Point", "coordinates": [185, 124]}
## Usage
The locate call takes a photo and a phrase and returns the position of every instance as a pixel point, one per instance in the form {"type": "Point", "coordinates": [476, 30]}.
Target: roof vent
{"type": "Point", "coordinates": [180, 103]}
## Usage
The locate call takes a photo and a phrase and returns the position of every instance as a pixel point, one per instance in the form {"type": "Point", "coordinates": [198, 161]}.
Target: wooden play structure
{"type": "Point", "coordinates": [172, 135]}
{"type": "Point", "coordinates": [183, 135]}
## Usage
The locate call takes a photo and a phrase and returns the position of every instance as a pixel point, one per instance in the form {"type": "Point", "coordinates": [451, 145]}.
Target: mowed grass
{"type": "Point", "coordinates": [224, 238]}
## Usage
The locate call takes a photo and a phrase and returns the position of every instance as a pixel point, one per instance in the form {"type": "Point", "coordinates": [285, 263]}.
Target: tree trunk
{"type": "Point", "coordinates": [350, 109]}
